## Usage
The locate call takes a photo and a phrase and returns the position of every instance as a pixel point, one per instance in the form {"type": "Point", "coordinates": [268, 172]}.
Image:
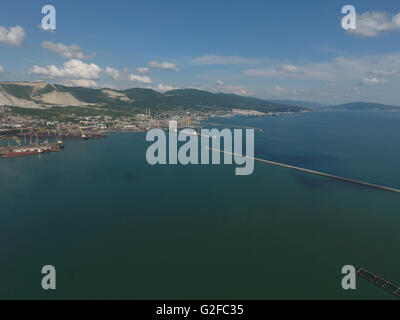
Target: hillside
{"type": "Point", "coordinates": [41, 95]}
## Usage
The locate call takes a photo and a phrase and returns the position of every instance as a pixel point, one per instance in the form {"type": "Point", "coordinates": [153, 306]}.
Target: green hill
{"type": "Point", "coordinates": [42, 95]}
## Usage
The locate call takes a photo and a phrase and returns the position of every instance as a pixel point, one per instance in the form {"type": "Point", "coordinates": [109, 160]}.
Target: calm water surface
{"type": "Point", "coordinates": [116, 227]}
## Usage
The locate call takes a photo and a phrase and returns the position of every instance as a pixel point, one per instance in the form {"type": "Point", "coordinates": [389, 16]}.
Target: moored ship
{"type": "Point", "coordinates": [21, 154]}
{"type": "Point", "coordinates": [29, 150]}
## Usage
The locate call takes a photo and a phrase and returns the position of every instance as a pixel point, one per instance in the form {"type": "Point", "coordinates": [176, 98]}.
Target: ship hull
{"type": "Point", "coordinates": [20, 154]}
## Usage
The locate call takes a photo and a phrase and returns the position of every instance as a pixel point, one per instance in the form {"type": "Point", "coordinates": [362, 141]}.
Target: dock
{"type": "Point", "coordinates": [378, 281]}
{"type": "Point", "coordinates": [323, 174]}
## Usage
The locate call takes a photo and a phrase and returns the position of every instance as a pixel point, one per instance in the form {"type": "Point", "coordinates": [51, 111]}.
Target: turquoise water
{"type": "Point", "coordinates": [116, 227]}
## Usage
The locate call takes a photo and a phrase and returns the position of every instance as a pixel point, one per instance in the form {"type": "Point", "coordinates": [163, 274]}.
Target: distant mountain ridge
{"type": "Point", "coordinates": [365, 106]}
{"type": "Point", "coordinates": [42, 95]}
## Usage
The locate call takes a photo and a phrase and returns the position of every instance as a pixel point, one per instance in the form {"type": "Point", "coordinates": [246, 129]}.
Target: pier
{"type": "Point", "coordinates": [323, 174]}
{"type": "Point", "coordinates": [378, 281]}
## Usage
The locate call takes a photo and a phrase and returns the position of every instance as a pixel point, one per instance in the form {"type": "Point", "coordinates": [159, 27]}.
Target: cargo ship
{"type": "Point", "coordinates": [22, 153]}
{"type": "Point", "coordinates": [30, 150]}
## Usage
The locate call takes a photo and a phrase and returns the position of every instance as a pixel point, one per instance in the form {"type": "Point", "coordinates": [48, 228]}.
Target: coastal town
{"type": "Point", "coordinates": [22, 135]}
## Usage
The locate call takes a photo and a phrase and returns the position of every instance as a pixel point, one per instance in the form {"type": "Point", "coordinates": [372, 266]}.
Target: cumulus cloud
{"type": "Point", "coordinates": [212, 59]}
{"type": "Point", "coordinates": [113, 73]}
{"type": "Point", "coordinates": [164, 88]}
{"type": "Point", "coordinates": [70, 52]}
{"type": "Point", "coordinates": [164, 65]}
{"type": "Point", "coordinates": [126, 75]}
{"type": "Point", "coordinates": [143, 70]}
{"type": "Point", "coordinates": [225, 88]}
{"type": "Point", "coordinates": [13, 37]}
{"type": "Point", "coordinates": [73, 69]}
{"type": "Point", "coordinates": [137, 78]}
{"type": "Point", "coordinates": [372, 24]}
{"type": "Point", "coordinates": [81, 83]}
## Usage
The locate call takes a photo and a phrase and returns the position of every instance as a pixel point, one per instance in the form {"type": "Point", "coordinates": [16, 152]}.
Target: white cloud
{"type": "Point", "coordinates": [289, 68]}
{"type": "Point", "coordinates": [137, 78]}
{"type": "Point", "coordinates": [13, 37]}
{"type": "Point", "coordinates": [388, 73]}
{"type": "Point", "coordinates": [125, 75]}
{"type": "Point", "coordinates": [143, 70]}
{"type": "Point", "coordinates": [163, 88]}
{"type": "Point", "coordinates": [338, 69]}
{"type": "Point", "coordinates": [74, 69]}
{"type": "Point", "coordinates": [70, 52]}
{"type": "Point", "coordinates": [287, 71]}
{"type": "Point", "coordinates": [81, 83]}
{"type": "Point", "coordinates": [164, 65]}
{"type": "Point", "coordinates": [1, 69]}
{"type": "Point", "coordinates": [235, 90]}
{"type": "Point", "coordinates": [114, 73]}
{"type": "Point", "coordinates": [373, 80]}
{"type": "Point", "coordinates": [225, 88]}
{"type": "Point", "coordinates": [372, 24]}
{"type": "Point", "coordinates": [228, 60]}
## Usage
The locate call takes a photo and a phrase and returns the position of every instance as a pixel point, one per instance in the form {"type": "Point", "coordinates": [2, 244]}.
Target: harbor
{"type": "Point", "coordinates": [35, 140]}
{"type": "Point", "coordinates": [30, 149]}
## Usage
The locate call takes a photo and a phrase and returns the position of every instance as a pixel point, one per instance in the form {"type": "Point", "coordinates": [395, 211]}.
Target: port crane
{"type": "Point", "coordinates": [17, 140]}
{"type": "Point", "coordinates": [83, 134]}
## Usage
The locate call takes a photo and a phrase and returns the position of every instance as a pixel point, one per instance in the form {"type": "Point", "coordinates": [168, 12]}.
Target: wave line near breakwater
{"type": "Point", "coordinates": [319, 173]}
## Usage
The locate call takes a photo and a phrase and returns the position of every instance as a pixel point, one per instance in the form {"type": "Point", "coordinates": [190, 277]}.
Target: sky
{"type": "Point", "coordinates": [277, 50]}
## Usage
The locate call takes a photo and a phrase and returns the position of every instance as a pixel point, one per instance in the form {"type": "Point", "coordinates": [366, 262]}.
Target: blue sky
{"type": "Point", "coordinates": [269, 49]}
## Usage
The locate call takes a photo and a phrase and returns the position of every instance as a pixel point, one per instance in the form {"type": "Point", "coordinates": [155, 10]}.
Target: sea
{"type": "Point", "coordinates": [115, 227]}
